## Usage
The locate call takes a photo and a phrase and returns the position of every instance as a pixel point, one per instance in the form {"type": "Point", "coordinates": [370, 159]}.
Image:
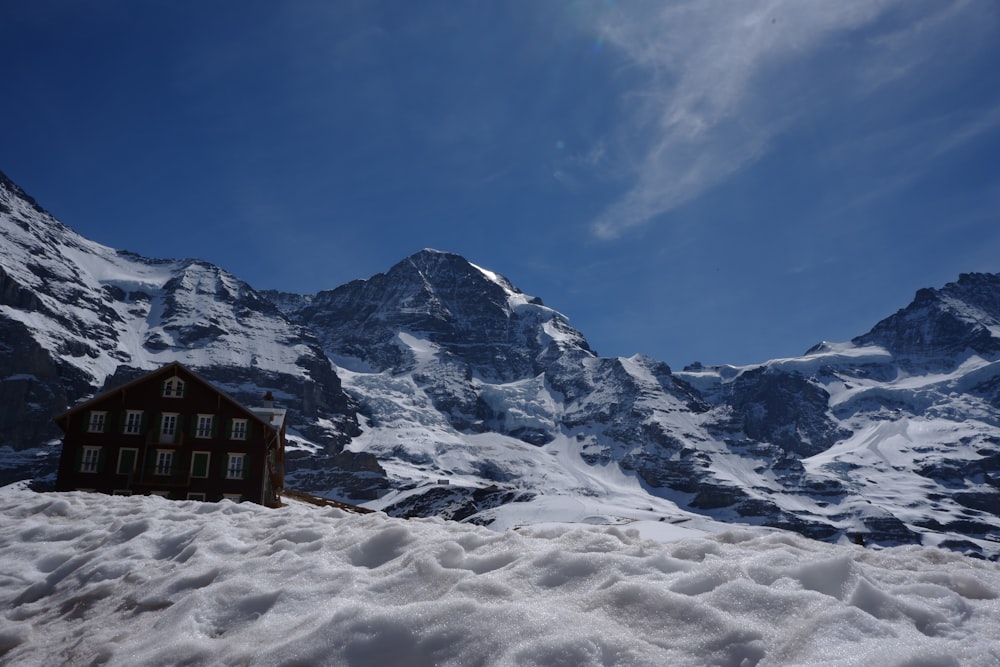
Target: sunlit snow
{"type": "Point", "coordinates": [91, 579]}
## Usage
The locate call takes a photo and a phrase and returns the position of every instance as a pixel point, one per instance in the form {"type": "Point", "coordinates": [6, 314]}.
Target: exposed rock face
{"type": "Point", "coordinates": [941, 326]}
{"type": "Point", "coordinates": [443, 385]}
{"type": "Point", "coordinates": [478, 317]}
{"type": "Point", "coordinates": [784, 409]}
{"type": "Point", "coordinates": [31, 390]}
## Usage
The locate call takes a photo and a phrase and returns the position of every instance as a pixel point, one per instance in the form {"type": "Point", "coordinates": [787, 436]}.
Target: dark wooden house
{"type": "Point", "coordinates": [171, 433]}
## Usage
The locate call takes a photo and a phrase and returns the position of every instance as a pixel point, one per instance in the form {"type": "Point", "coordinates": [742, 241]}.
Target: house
{"type": "Point", "coordinates": [171, 433]}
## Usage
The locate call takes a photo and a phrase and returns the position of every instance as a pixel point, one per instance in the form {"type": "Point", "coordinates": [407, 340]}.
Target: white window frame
{"type": "Point", "coordinates": [239, 429]}
{"type": "Point", "coordinates": [164, 462]}
{"type": "Point", "coordinates": [235, 497]}
{"type": "Point", "coordinates": [133, 422]}
{"type": "Point", "coordinates": [98, 419]}
{"type": "Point", "coordinates": [168, 435]}
{"type": "Point", "coordinates": [90, 460]}
{"type": "Point", "coordinates": [173, 388]}
{"type": "Point", "coordinates": [204, 426]}
{"type": "Point", "coordinates": [236, 470]}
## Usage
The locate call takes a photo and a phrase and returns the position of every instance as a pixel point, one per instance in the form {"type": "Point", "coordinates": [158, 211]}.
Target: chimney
{"type": "Point", "coordinates": [268, 400]}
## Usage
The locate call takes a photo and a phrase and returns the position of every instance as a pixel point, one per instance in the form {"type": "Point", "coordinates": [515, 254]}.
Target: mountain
{"type": "Point", "coordinates": [439, 388]}
{"type": "Point", "coordinates": [77, 317]}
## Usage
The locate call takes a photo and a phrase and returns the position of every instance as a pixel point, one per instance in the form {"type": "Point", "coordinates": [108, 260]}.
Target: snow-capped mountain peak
{"type": "Point", "coordinates": [440, 388]}
{"type": "Point", "coordinates": [940, 326]}
{"type": "Point", "coordinates": [75, 314]}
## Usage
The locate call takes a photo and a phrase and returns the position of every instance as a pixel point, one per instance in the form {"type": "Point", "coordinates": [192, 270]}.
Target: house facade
{"type": "Point", "coordinates": [172, 433]}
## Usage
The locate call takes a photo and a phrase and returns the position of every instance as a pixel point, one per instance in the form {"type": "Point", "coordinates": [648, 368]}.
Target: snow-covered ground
{"type": "Point", "coordinates": [91, 579]}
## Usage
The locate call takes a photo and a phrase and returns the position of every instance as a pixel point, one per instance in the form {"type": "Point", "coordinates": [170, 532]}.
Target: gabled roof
{"type": "Point", "coordinates": [172, 369]}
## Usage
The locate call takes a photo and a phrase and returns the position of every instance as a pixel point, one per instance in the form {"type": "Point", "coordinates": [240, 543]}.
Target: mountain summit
{"type": "Point", "coordinates": [942, 327]}
{"type": "Point", "coordinates": [439, 388]}
{"type": "Point", "coordinates": [469, 313]}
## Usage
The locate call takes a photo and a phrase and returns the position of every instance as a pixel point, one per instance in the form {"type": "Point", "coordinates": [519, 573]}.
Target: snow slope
{"type": "Point", "coordinates": [89, 579]}
{"type": "Point", "coordinates": [96, 308]}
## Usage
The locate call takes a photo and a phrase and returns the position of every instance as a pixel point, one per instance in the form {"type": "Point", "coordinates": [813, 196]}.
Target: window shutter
{"type": "Point", "coordinates": [249, 428]}
{"type": "Point", "coordinates": [100, 459]}
{"type": "Point", "coordinates": [199, 464]}
{"type": "Point", "coordinates": [126, 461]}
{"type": "Point", "coordinates": [142, 422]}
{"type": "Point", "coordinates": [121, 421]}
{"type": "Point", "coordinates": [77, 459]}
{"type": "Point", "coordinates": [229, 428]}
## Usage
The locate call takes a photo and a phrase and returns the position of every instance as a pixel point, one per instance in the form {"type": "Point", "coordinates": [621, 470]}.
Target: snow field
{"type": "Point", "coordinates": [91, 579]}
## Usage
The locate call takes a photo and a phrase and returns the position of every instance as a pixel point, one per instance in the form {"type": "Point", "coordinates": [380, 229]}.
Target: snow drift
{"type": "Point", "coordinates": [91, 579]}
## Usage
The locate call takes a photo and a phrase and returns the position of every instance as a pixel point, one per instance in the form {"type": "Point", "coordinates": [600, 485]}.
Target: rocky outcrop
{"type": "Point", "coordinates": [940, 327]}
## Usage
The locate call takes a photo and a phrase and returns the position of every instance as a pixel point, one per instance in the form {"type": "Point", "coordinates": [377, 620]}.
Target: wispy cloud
{"type": "Point", "coordinates": [723, 79]}
{"type": "Point", "coordinates": [914, 147]}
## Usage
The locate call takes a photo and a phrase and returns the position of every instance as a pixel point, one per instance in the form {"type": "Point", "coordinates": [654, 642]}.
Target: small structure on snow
{"type": "Point", "coordinates": [171, 433]}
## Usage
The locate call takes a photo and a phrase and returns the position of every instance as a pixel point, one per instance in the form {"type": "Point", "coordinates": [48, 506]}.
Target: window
{"type": "Point", "coordinates": [126, 461]}
{"type": "Point", "coordinates": [168, 427]}
{"type": "Point", "coordinates": [196, 496]}
{"type": "Point", "coordinates": [234, 470]}
{"type": "Point", "coordinates": [133, 421]}
{"type": "Point", "coordinates": [173, 388]}
{"type": "Point", "coordinates": [235, 497]}
{"type": "Point", "coordinates": [239, 429]}
{"type": "Point", "coordinates": [121, 492]}
{"type": "Point", "coordinates": [161, 494]}
{"type": "Point", "coordinates": [199, 464]}
{"type": "Point", "coordinates": [204, 429]}
{"type": "Point", "coordinates": [91, 459]}
{"type": "Point", "coordinates": [96, 424]}
{"type": "Point", "coordinates": [164, 462]}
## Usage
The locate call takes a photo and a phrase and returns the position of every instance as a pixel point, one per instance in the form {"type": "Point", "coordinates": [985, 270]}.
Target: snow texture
{"type": "Point", "coordinates": [91, 579]}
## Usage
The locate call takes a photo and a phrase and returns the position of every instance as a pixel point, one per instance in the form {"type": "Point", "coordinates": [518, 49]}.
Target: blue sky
{"type": "Point", "coordinates": [719, 181]}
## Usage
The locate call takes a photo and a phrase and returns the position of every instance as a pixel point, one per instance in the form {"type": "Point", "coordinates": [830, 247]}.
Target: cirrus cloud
{"type": "Point", "coordinates": [723, 80]}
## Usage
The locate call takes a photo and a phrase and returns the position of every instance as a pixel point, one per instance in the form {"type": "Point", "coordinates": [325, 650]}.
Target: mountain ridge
{"type": "Point", "coordinates": [438, 387]}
